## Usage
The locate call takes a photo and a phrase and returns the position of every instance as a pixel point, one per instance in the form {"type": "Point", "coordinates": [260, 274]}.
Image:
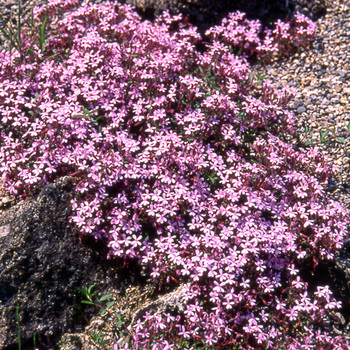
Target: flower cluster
{"type": "Point", "coordinates": [181, 163]}
{"type": "Point", "coordinates": [248, 37]}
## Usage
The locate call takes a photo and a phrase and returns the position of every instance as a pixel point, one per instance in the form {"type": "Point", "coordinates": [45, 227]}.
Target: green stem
{"type": "Point", "coordinates": [19, 328]}
{"type": "Point", "coordinates": [19, 28]}
{"type": "Point", "coordinates": [329, 138]}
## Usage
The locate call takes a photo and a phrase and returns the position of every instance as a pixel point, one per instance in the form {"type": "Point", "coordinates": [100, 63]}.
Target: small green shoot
{"type": "Point", "coordinates": [98, 338]}
{"type": "Point", "coordinates": [19, 30]}
{"type": "Point", "coordinates": [19, 333]}
{"type": "Point", "coordinates": [14, 37]}
{"type": "Point", "coordinates": [109, 304]}
{"type": "Point", "coordinates": [89, 115]}
{"type": "Point", "coordinates": [90, 295]}
{"type": "Point", "coordinates": [42, 40]}
{"type": "Point", "coordinates": [91, 298]}
{"type": "Point", "coordinates": [251, 77]}
{"type": "Point", "coordinates": [325, 135]}
{"type": "Point", "coordinates": [212, 177]}
{"type": "Point", "coordinates": [259, 78]}
{"type": "Point", "coordinates": [341, 139]}
{"type": "Point", "coordinates": [120, 321]}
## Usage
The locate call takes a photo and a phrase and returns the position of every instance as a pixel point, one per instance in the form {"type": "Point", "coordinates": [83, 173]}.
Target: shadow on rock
{"type": "Point", "coordinates": [42, 263]}
{"type": "Point", "coordinates": [206, 13]}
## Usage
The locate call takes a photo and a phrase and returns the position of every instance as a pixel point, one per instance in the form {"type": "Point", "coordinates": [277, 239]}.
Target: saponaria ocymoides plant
{"type": "Point", "coordinates": [182, 164]}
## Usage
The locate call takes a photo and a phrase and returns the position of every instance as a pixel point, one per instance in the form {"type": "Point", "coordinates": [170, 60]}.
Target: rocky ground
{"type": "Point", "coordinates": [320, 76]}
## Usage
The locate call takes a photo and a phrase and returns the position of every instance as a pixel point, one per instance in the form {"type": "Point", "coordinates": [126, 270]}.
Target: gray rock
{"type": "Point", "coordinates": [296, 104]}
{"type": "Point", "coordinates": [42, 263]}
{"type": "Point", "coordinates": [301, 109]}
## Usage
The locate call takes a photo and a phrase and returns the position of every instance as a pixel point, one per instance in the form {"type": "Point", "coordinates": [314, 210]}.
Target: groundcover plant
{"type": "Point", "coordinates": [182, 164]}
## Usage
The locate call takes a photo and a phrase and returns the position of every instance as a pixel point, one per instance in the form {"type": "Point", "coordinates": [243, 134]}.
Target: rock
{"type": "Point", "coordinates": [131, 304]}
{"type": "Point", "coordinates": [42, 263]}
{"type": "Point", "coordinates": [205, 13]}
{"type": "Point", "coordinates": [314, 9]}
{"type": "Point", "coordinates": [171, 301]}
{"type": "Point", "coordinates": [301, 109]}
{"type": "Point", "coordinates": [79, 341]}
{"type": "Point", "coordinates": [335, 274]}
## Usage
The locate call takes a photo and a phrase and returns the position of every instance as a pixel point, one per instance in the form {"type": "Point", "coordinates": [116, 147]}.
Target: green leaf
{"type": "Point", "coordinates": [88, 302]}
{"type": "Point", "coordinates": [80, 116]}
{"type": "Point", "coordinates": [98, 338]}
{"type": "Point", "coordinates": [307, 130]}
{"type": "Point", "coordinates": [50, 57]}
{"type": "Point", "coordinates": [32, 19]}
{"type": "Point", "coordinates": [118, 316]}
{"type": "Point", "coordinates": [109, 304]}
{"type": "Point", "coordinates": [42, 35]}
{"type": "Point", "coordinates": [261, 78]}
{"type": "Point", "coordinates": [241, 115]}
{"type": "Point", "coordinates": [308, 142]}
{"type": "Point", "coordinates": [9, 35]}
{"type": "Point", "coordinates": [323, 135]}
{"type": "Point", "coordinates": [81, 290]}
{"type": "Point", "coordinates": [341, 139]}
{"type": "Point", "coordinates": [105, 297]}
{"type": "Point", "coordinates": [85, 110]}
{"type": "Point", "coordinates": [103, 312]}
{"type": "Point", "coordinates": [251, 77]}
{"type": "Point", "coordinates": [99, 117]}
{"type": "Point", "coordinates": [6, 32]}
{"type": "Point", "coordinates": [90, 292]}
{"type": "Point", "coordinates": [37, 96]}
{"type": "Point", "coordinates": [348, 127]}
{"type": "Point", "coordinates": [19, 31]}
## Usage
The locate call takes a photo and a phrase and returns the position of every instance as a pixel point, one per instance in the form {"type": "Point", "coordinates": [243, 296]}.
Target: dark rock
{"type": "Point", "coordinates": [42, 263]}
{"type": "Point", "coordinates": [336, 275]}
{"type": "Point", "coordinates": [206, 13]}
{"type": "Point", "coordinates": [314, 9]}
{"type": "Point", "coordinates": [340, 275]}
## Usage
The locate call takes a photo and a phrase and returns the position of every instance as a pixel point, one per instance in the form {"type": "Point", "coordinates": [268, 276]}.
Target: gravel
{"type": "Point", "coordinates": [320, 77]}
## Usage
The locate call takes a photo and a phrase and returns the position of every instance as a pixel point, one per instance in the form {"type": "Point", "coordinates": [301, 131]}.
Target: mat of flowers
{"type": "Point", "coordinates": [182, 164]}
